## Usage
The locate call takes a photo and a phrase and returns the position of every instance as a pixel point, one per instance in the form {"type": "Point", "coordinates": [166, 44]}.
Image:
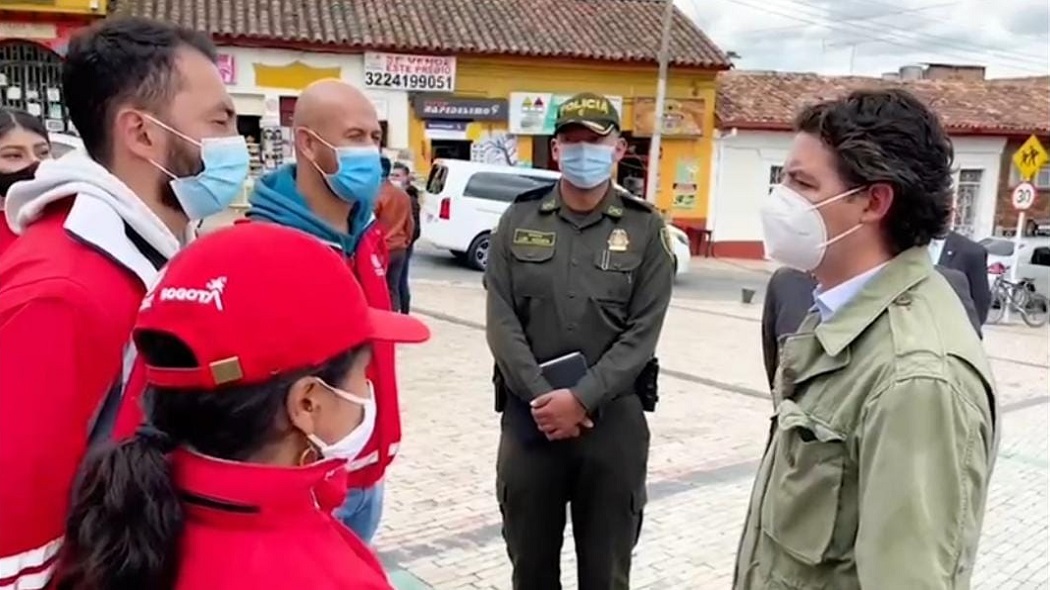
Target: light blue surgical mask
{"type": "Point", "coordinates": [359, 175]}
{"type": "Point", "coordinates": [226, 165]}
{"type": "Point", "coordinates": [586, 165]}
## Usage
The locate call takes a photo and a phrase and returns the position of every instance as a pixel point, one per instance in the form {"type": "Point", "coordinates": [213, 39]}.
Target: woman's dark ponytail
{"type": "Point", "coordinates": [125, 521]}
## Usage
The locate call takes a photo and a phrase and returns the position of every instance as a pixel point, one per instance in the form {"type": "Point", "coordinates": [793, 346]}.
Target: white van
{"type": "Point", "coordinates": [463, 202]}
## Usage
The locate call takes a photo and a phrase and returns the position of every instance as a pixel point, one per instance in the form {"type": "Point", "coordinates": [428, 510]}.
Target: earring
{"type": "Point", "coordinates": [309, 455]}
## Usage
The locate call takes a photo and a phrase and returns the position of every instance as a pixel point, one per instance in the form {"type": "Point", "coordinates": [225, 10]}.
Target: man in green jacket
{"type": "Point", "coordinates": [885, 430]}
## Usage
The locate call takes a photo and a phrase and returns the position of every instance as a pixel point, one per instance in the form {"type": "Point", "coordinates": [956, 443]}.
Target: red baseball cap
{"type": "Point", "coordinates": [257, 300]}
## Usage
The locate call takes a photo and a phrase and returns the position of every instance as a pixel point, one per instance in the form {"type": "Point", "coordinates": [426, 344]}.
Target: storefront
{"type": "Point", "coordinates": [533, 90]}
{"type": "Point", "coordinates": [457, 127]}
{"type": "Point", "coordinates": [265, 85]}
{"type": "Point", "coordinates": [31, 53]}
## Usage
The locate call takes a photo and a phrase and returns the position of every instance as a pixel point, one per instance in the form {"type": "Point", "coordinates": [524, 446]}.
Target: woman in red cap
{"type": "Point", "coordinates": [255, 341]}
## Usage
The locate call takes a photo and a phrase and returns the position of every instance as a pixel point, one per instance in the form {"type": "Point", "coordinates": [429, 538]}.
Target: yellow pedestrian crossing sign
{"type": "Point", "coordinates": [1030, 158]}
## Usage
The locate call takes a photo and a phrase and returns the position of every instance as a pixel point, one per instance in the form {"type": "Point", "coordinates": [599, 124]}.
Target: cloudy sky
{"type": "Point", "coordinates": [869, 37]}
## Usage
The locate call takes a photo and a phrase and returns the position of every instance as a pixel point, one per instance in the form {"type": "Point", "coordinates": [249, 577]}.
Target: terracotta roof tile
{"type": "Point", "coordinates": [768, 100]}
{"type": "Point", "coordinates": [605, 30]}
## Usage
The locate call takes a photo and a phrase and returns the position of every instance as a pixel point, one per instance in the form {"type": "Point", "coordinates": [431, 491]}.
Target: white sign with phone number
{"type": "Point", "coordinates": [398, 71]}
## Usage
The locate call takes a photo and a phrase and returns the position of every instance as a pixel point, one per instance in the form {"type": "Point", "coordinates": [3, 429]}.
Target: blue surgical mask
{"type": "Point", "coordinates": [585, 165]}
{"type": "Point", "coordinates": [226, 165]}
{"type": "Point", "coordinates": [359, 175]}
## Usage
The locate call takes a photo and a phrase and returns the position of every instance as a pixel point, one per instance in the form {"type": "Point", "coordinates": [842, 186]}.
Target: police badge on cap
{"type": "Point", "coordinates": [590, 110]}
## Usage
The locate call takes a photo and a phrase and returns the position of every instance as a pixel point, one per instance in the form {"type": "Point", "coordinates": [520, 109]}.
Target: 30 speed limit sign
{"type": "Point", "coordinates": [1023, 196]}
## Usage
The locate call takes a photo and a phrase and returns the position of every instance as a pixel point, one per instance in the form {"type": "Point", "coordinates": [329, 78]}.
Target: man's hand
{"type": "Point", "coordinates": [560, 415]}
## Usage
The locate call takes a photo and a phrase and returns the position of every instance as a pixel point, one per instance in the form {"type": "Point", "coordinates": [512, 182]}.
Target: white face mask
{"type": "Point", "coordinates": [351, 445]}
{"type": "Point", "coordinates": [793, 229]}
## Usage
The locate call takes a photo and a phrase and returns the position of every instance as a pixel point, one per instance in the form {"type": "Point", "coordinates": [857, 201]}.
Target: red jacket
{"type": "Point", "coordinates": [292, 541]}
{"type": "Point", "coordinates": [7, 237]}
{"type": "Point", "coordinates": [66, 312]}
{"type": "Point", "coordinates": [369, 265]}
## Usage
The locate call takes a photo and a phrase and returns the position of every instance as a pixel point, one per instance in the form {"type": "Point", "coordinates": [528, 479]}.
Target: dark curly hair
{"type": "Point", "coordinates": [889, 136]}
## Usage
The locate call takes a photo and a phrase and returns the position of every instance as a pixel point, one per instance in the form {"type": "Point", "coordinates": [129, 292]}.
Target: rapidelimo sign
{"type": "Point", "coordinates": [464, 109]}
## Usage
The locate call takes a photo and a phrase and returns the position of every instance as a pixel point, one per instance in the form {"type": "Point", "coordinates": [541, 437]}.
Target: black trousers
{"type": "Point", "coordinates": [600, 475]}
{"type": "Point", "coordinates": [395, 268]}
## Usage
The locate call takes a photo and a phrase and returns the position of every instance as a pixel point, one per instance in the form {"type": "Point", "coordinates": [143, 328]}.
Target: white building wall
{"type": "Point", "coordinates": [741, 170]}
{"type": "Point", "coordinates": [251, 99]}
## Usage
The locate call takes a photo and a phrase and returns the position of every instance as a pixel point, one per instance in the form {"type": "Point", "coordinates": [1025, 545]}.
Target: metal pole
{"type": "Point", "coordinates": [653, 168]}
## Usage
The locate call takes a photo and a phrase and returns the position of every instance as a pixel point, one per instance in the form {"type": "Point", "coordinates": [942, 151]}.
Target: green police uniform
{"type": "Point", "coordinates": [877, 469]}
{"type": "Point", "coordinates": [597, 283]}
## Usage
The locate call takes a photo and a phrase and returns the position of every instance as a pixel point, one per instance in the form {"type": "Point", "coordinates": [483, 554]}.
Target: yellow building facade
{"type": "Point", "coordinates": [686, 145]}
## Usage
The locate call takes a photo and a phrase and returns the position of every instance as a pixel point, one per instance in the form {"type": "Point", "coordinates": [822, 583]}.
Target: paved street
{"type": "Point", "coordinates": [441, 524]}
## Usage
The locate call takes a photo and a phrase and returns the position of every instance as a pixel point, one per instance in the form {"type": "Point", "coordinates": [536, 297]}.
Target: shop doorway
{"type": "Point", "coordinates": [631, 173]}
{"type": "Point", "coordinates": [541, 152]}
{"type": "Point", "coordinates": [31, 80]}
{"type": "Point", "coordinates": [450, 149]}
{"type": "Point", "coordinates": [250, 128]}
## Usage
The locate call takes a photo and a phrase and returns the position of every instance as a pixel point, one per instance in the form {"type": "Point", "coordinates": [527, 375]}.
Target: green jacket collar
{"type": "Point", "coordinates": [890, 285]}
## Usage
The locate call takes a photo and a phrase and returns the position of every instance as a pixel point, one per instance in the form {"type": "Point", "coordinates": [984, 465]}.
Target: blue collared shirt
{"type": "Point", "coordinates": [830, 301]}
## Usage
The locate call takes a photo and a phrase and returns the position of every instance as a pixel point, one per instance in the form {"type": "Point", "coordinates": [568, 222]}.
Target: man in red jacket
{"type": "Point", "coordinates": [162, 149]}
{"type": "Point", "coordinates": [331, 194]}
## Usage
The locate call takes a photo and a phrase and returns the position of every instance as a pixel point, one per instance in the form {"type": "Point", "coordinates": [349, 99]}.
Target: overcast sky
{"type": "Point", "coordinates": [869, 37]}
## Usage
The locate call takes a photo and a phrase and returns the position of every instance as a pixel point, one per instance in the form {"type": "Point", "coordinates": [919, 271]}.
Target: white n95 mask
{"type": "Point", "coordinates": [793, 231]}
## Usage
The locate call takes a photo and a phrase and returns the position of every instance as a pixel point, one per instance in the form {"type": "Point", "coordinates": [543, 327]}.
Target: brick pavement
{"type": "Point", "coordinates": [441, 522]}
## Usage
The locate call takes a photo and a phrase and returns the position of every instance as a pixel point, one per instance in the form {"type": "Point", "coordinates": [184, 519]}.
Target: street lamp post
{"type": "Point", "coordinates": [653, 167]}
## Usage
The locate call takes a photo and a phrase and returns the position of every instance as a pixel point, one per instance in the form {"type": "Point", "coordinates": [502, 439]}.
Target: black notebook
{"type": "Point", "coordinates": [565, 372]}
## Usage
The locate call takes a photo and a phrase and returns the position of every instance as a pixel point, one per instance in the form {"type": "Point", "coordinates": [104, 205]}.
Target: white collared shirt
{"type": "Point", "coordinates": [830, 301]}
{"type": "Point", "coordinates": [936, 247]}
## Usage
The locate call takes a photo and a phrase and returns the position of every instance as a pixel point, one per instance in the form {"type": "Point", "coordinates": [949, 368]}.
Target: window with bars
{"type": "Point", "coordinates": [967, 195]}
{"type": "Point", "coordinates": [31, 80]}
{"type": "Point", "coordinates": [775, 174]}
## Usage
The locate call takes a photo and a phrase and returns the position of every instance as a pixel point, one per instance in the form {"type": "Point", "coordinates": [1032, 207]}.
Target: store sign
{"type": "Point", "coordinates": [534, 113]}
{"type": "Point", "coordinates": [72, 7]}
{"type": "Point", "coordinates": [55, 36]}
{"type": "Point", "coordinates": [396, 71]}
{"type": "Point", "coordinates": [682, 117]}
{"type": "Point", "coordinates": [469, 109]}
{"type": "Point", "coordinates": [227, 68]}
{"type": "Point", "coordinates": [449, 130]}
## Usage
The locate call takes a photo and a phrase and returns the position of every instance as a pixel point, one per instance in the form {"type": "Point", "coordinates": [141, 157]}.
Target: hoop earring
{"type": "Point", "coordinates": [309, 455]}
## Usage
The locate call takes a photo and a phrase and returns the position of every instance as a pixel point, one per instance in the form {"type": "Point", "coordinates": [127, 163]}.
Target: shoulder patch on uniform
{"type": "Point", "coordinates": [532, 195]}
{"type": "Point", "coordinates": [667, 241]}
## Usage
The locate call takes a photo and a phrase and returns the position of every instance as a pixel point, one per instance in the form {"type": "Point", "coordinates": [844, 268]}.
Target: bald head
{"type": "Point", "coordinates": [325, 99]}
{"type": "Point", "coordinates": [331, 114]}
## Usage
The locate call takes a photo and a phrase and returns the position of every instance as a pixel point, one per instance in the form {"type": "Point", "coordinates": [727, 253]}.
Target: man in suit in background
{"type": "Point", "coordinates": [789, 297]}
{"type": "Point", "coordinates": [958, 252]}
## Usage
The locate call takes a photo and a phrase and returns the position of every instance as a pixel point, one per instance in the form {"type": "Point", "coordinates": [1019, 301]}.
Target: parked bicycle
{"type": "Point", "coordinates": [1021, 298]}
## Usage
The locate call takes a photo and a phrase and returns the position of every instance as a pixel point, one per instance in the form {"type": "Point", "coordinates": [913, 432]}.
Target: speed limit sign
{"type": "Point", "coordinates": [1023, 196]}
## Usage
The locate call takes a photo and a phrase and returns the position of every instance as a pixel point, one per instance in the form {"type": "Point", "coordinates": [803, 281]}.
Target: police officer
{"type": "Point", "coordinates": [581, 268]}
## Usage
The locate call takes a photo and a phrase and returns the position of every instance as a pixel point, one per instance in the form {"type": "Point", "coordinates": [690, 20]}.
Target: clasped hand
{"type": "Point", "coordinates": [560, 415]}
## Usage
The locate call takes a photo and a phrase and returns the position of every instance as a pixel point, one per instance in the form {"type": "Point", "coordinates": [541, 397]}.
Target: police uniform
{"type": "Point", "coordinates": [597, 283]}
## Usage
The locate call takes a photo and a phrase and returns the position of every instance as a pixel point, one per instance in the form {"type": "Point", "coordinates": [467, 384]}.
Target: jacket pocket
{"type": "Point", "coordinates": [801, 506]}
{"type": "Point", "coordinates": [612, 279]}
{"type": "Point", "coordinates": [533, 270]}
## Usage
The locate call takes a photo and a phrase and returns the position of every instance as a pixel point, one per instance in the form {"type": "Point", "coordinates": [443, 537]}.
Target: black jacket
{"type": "Point", "coordinates": [971, 259]}
{"type": "Point", "coordinates": [413, 194]}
